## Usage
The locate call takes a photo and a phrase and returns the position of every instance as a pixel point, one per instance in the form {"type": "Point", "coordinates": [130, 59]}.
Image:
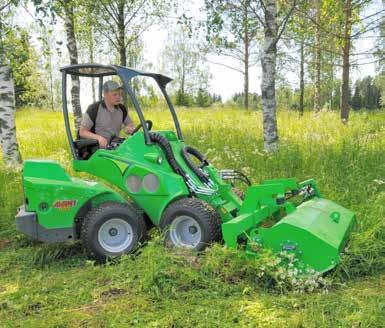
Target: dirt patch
{"type": "Point", "coordinates": [33, 309]}
{"type": "Point", "coordinates": [112, 292]}
{"type": "Point", "coordinates": [4, 243]}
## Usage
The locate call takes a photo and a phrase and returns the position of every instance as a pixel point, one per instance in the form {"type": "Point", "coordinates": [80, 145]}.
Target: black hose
{"type": "Point", "coordinates": [186, 152]}
{"type": "Point", "coordinates": [236, 175]}
{"type": "Point", "coordinates": [244, 176]}
{"type": "Point", "coordinates": [166, 147]}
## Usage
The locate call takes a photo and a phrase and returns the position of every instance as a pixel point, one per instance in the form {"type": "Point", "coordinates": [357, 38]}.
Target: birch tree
{"type": "Point", "coordinates": [86, 41]}
{"type": "Point", "coordinates": [8, 141]}
{"type": "Point", "coordinates": [265, 11]}
{"type": "Point", "coordinates": [69, 22]}
{"type": "Point", "coordinates": [9, 145]}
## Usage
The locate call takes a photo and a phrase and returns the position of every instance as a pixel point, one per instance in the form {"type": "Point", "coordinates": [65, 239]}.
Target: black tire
{"type": "Point", "coordinates": [94, 220]}
{"type": "Point", "coordinates": [239, 193]}
{"type": "Point", "coordinates": [204, 215]}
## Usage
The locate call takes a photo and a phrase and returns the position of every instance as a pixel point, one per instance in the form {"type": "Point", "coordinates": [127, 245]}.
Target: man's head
{"type": "Point", "coordinates": [112, 93]}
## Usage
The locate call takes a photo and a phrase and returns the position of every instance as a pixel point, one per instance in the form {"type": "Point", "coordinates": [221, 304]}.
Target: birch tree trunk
{"type": "Point", "coordinates": [8, 141]}
{"type": "Point", "coordinates": [73, 53]}
{"type": "Point", "coordinates": [270, 132]}
{"type": "Point", "coordinates": [121, 33]}
{"type": "Point", "coordinates": [346, 62]}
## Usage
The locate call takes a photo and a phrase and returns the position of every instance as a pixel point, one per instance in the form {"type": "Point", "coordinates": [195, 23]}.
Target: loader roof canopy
{"type": "Point", "coordinates": [97, 70]}
{"type": "Point", "coordinates": [126, 74]}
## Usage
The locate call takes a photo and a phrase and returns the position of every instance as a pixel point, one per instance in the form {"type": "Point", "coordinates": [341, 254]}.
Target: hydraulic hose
{"type": "Point", "coordinates": [166, 147]}
{"type": "Point", "coordinates": [186, 152]}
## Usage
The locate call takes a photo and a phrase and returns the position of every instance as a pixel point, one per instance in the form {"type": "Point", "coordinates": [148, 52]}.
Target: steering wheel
{"type": "Point", "coordinates": [114, 142]}
{"type": "Point", "coordinates": [148, 123]}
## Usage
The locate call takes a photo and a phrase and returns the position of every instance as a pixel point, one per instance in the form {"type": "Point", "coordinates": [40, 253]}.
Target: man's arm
{"type": "Point", "coordinates": [84, 131]}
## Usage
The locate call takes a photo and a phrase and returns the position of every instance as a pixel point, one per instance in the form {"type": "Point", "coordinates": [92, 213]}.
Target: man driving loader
{"type": "Point", "coordinates": [103, 119]}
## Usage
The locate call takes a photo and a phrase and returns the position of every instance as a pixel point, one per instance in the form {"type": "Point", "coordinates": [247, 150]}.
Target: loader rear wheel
{"type": "Point", "coordinates": [111, 229]}
{"type": "Point", "coordinates": [191, 223]}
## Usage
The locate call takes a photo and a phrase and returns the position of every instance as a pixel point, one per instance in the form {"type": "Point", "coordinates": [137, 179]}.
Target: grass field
{"type": "Point", "coordinates": [56, 286]}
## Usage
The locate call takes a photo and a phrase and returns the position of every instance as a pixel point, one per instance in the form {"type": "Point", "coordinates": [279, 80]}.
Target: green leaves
{"type": "Point", "coordinates": [29, 86]}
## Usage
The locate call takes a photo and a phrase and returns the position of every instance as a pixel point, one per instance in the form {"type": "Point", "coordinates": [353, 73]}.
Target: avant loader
{"type": "Point", "coordinates": [173, 186]}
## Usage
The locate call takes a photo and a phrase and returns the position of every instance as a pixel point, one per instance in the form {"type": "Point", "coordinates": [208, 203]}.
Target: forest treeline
{"type": "Point", "coordinates": [301, 53]}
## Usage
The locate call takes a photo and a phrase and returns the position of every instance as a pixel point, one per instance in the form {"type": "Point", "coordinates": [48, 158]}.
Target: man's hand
{"type": "Point", "coordinates": [103, 142]}
{"type": "Point", "coordinates": [130, 128]}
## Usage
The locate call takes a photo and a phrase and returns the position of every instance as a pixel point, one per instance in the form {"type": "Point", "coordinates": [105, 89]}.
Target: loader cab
{"type": "Point", "coordinates": [82, 149]}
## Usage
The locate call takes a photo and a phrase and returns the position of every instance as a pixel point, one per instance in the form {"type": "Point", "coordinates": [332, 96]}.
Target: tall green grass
{"type": "Point", "coordinates": [55, 284]}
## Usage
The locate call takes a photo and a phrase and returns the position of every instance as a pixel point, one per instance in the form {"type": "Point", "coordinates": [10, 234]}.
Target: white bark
{"type": "Point", "coordinates": [73, 53]}
{"type": "Point", "coordinates": [270, 132]}
{"type": "Point", "coordinates": [9, 145]}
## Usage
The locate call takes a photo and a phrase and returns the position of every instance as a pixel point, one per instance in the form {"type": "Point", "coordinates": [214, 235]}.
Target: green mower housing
{"type": "Point", "coordinates": [194, 204]}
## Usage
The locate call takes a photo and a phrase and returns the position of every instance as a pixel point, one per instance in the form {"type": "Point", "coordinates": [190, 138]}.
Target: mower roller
{"type": "Point", "coordinates": [174, 187]}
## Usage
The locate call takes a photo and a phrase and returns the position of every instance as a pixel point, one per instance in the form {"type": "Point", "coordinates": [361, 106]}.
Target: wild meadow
{"type": "Point", "coordinates": [56, 286]}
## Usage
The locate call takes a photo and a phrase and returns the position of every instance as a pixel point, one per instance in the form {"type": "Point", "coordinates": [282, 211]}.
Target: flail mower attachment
{"type": "Point", "coordinates": [314, 229]}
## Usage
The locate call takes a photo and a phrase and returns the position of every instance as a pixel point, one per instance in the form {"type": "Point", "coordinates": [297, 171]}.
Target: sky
{"type": "Point", "coordinates": [224, 81]}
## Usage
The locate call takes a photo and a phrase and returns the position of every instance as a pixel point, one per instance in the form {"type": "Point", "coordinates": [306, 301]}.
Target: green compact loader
{"type": "Point", "coordinates": [172, 186]}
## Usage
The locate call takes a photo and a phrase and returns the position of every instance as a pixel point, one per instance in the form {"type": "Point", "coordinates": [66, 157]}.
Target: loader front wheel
{"type": "Point", "coordinates": [111, 229]}
{"type": "Point", "coordinates": [191, 223]}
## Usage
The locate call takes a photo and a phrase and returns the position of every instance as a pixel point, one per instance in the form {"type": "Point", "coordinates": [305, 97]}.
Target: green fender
{"type": "Point", "coordinates": [56, 198]}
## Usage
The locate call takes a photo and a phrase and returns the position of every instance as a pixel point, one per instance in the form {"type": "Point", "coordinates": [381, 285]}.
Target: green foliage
{"type": "Point", "coordinates": [30, 88]}
{"type": "Point", "coordinates": [56, 285]}
{"type": "Point", "coordinates": [366, 94]}
{"type": "Point", "coordinates": [203, 98]}
{"type": "Point", "coordinates": [255, 101]}
{"type": "Point", "coordinates": [183, 99]}
{"type": "Point", "coordinates": [150, 100]}
{"type": "Point", "coordinates": [319, 25]}
{"type": "Point", "coordinates": [227, 22]}
{"type": "Point", "coordinates": [230, 27]}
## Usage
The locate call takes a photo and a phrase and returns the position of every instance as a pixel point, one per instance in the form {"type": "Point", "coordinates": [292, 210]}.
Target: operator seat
{"type": "Point", "coordinates": [85, 147]}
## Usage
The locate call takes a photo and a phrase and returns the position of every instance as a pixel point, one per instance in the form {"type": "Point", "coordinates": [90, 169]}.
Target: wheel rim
{"type": "Point", "coordinates": [185, 232]}
{"type": "Point", "coordinates": [115, 235]}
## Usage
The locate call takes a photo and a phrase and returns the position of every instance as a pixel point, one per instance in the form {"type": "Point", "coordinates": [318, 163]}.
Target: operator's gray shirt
{"type": "Point", "coordinates": [108, 123]}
